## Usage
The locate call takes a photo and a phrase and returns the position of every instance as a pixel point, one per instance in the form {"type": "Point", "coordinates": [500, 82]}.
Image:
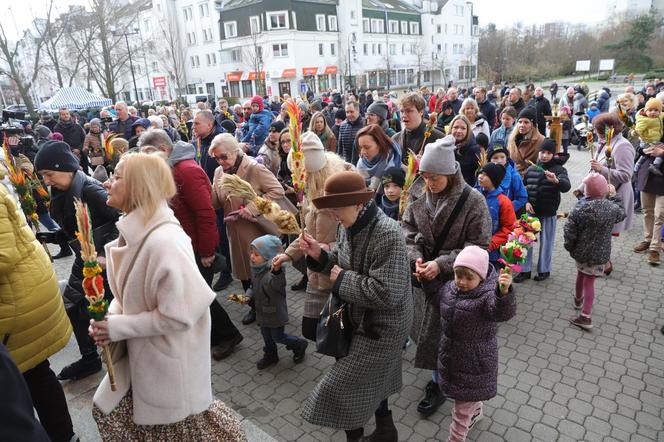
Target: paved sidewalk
{"type": "Point", "coordinates": [556, 383]}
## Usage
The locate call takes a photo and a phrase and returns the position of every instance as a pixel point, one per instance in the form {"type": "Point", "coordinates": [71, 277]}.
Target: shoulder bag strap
{"type": "Point", "coordinates": [451, 219]}
{"type": "Point", "coordinates": [138, 251]}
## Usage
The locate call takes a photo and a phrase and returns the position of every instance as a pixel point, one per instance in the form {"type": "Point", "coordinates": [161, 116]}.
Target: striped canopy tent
{"type": "Point", "coordinates": [74, 98]}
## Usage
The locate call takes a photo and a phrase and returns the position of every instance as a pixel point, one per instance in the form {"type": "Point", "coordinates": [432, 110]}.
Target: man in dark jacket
{"type": "Point", "coordinates": [59, 167]}
{"type": "Point", "coordinates": [412, 136]}
{"type": "Point", "coordinates": [603, 99]}
{"type": "Point", "coordinates": [347, 131]}
{"type": "Point", "coordinates": [46, 119]}
{"type": "Point", "coordinates": [515, 99]}
{"type": "Point", "coordinates": [122, 126]}
{"type": "Point", "coordinates": [74, 135]}
{"type": "Point", "coordinates": [543, 108]}
{"type": "Point", "coordinates": [453, 97]}
{"type": "Point", "coordinates": [192, 206]}
{"type": "Point", "coordinates": [486, 107]}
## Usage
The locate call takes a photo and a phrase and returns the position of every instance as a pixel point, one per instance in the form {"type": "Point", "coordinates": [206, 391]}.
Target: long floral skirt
{"type": "Point", "coordinates": [217, 423]}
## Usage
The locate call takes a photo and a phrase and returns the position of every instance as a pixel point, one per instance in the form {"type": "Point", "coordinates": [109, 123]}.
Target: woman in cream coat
{"type": "Point", "coordinates": [161, 312]}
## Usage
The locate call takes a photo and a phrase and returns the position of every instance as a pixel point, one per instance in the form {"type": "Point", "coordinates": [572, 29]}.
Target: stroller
{"type": "Point", "coordinates": [580, 132]}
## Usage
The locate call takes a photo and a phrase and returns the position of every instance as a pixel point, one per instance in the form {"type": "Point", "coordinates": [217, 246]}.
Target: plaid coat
{"type": "Point", "coordinates": [349, 393]}
{"type": "Point", "coordinates": [422, 227]}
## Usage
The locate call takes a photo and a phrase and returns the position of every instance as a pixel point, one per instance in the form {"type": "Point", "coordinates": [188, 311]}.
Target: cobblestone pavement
{"type": "Point", "coordinates": [556, 382]}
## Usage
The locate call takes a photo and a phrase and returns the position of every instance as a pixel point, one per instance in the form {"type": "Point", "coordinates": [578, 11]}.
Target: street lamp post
{"type": "Point", "coordinates": [131, 63]}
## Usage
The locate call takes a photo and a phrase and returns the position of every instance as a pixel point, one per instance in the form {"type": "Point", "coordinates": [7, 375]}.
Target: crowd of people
{"type": "Point", "coordinates": [406, 259]}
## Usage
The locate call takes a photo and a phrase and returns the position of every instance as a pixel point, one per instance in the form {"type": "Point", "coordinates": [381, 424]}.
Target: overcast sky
{"type": "Point", "coordinates": [501, 12]}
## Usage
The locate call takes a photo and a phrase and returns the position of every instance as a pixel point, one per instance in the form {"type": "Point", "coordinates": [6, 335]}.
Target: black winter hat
{"type": "Point", "coordinates": [482, 140]}
{"type": "Point", "coordinates": [340, 114]}
{"type": "Point", "coordinates": [57, 156]}
{"type": "Point", "coordinates": [278, 125]}
{"type": "Point", "coordinates": [379, 108]}
{"type": "Point", "coordinates": [495, 172]}
{"type": "Point", "coordinates": [528, 112]}
{"type": "Point", "coordinates": [548, 145]}
{"type": "Point", "coordinates": [394, 175]}
{"type": "Point", "coordinates": [229, 126]}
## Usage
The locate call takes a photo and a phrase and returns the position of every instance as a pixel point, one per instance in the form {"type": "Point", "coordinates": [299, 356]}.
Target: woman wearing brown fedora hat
{"type": "Point", "coordinates": [369, 269]}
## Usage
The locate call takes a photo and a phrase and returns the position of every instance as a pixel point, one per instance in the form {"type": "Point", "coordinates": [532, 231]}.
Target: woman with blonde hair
{"type": "Point", "coordinates": [471, 110]}
{"type": "Point", "coordinates": [160, 313]}
{"type": "Point", "coordinates": [466, 150]}
{"type": "Point", "coordinates": [320, 127]}
{"type": "Point", "coordinates": [320, 224]}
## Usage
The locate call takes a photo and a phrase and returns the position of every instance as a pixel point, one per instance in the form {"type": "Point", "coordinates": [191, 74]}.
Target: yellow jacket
{"type": "Point", "coordinates": [649, 129]}
{"type": "Point", "coordinates": [33, 321]}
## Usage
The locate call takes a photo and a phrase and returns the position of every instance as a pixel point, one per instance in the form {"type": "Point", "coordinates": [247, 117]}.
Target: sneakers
{"type": "Point", "coordinates": [542, 276]}
{"type": "Point", "coordinates": [641, 247]}
{"type": "Point", "coordinates": [266, 361]}
{"type": "Point", "coordinates": [578, 303]}
{"type": "Point", "coordinates": [582, 322]}
{"type": "Point", "coordinates": [521, 277]}
{"type": "Point", "coordinates": [80, 369]}
{"type": "Point", "coordinates": [653, 258]}
{"type": "Point", "coordinates": [479, 414]}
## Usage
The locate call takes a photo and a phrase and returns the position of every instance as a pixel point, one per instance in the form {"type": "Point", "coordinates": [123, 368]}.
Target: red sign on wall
{"type": "Point", "coordinates": [158, 82]}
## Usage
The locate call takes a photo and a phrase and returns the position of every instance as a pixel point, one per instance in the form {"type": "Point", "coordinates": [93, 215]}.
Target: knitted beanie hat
{"type": "Point", "coordinates": [379, 108]}
{"type": "Point", "coordinates": [313, 151]}
{"type": "Point", "coordinates": [56, 156]}
{"type": "Point", "coordinates": [474, 258]}
{"type": "Point", "coordinates": [548, 145]}
{"type": "Point", "coordinates": [495, 172]}
{"type": "Point", "coordinates": [528, 112]}
{"type": "Point", "coordinates": [256, 99]}
{"type": "Point", "coordinates": [268, 246]}
{"type": "Point", "coordinates": [595, 186]}
{"type": "Point", "coordinates": [394, 175]}
{"type": "Point", "coordinates": [654, 103]}
{"type": "Point", "coordinates": [439, 157]}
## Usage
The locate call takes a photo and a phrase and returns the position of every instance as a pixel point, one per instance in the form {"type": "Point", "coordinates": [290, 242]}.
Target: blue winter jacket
{"type": "Point", "coordinates": [259, 123]}
{"type": "Point", "coordinates": [513, 187]}
{"type": "Point", "coordinates": [494, 210]}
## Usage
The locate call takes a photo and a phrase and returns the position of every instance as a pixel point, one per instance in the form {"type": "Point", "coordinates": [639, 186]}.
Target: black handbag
{"type": "Point", "coordinates": [335, 329]}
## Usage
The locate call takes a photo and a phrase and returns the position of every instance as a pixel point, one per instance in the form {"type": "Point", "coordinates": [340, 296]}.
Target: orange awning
{"type": "Point", "coordinates": [289, 73]}
{"type": "Point", "coordinates": [253, 75]}
{"type": "Point", "coordinates": [234, 76]}
{"type": "Point", "coordinates": [331, 70]}
{"type": "Point", "coordinates": [309, 71]}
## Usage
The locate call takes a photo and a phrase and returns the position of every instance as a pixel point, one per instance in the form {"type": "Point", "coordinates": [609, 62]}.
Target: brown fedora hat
{"type": "Point", "coordinates": [343, 189]}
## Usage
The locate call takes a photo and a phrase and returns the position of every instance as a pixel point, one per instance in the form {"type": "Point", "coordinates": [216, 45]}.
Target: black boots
{"type": "Point", "coordinates": [249, 317]}
{"type": "Point", "coordinates": [64, 251]}
{"type": "Point", "coordinates": [267, 360]}
{"type": "Point", "coordinates": [80, 369]}
{"type": "Point", "coordinates": [385, 430]}
{"type": "Point", "coordinates": [299, 351]}
{"type": "Point", "coordinates": [433, 398]}
{"type": "Point", "coordinates": [522, 277]}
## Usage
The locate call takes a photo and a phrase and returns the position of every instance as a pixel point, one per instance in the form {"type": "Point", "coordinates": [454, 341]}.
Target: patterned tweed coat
{"type": "Point", "coordinates": [422, 225]}
{"type": "Point", "coordinates": [349, 393]}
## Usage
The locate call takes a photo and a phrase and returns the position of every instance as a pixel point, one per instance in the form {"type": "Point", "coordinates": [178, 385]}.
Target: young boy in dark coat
{"type": "Point", "coordinates": [268, 290]}
{"type": "Point", "coordinates": [470, 307]}
{"type": "Point", "coordinates": [388, 200]}
{"type": "Point", "coordinates": [544, 181]}
{"type": "Point", "coordinates": [588, 241]}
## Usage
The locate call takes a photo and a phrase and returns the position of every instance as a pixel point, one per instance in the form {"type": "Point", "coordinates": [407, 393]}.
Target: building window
{"type": "Point", "coordinates": [404, 27]}
{"type": "Point", "coordinates": [366, 49]}
{"type": "Point", "coordinates": [413, 48]}
{"type": "Point", "coordinates": [427, 76]}
{"type": "Point", "coordinates": [146, 25]}
{"type": "Point", "coordinates": [366, 27]}
{"type": "Point", "coordinates": [255, 24]}
{"type": "Point", "coordinates": [352, 14]}
{"type": "Point", "coordinates": [230, 29]}
{"type": "Point", "coordinates": [277, 20]}
{"type": "Point", "coordinates": [203, 9]}
{"type": "Point", "coordinates": [393, 26]}
{"type": "Point", "coordinates": [191, 38]}
{"type": "Point", "coordinates": [209, 60]}
{"type": "Point", "coordinates": [155, 65]}
{"type": "Point", "coordinates": [377, 26]}
{"type": "Point", "coordinates": [207, 34]}
{"type": "Point", "coordinates": [294, 20]}
{"type": "Point", "coordinates": [393, 49]}
{"type": "Point", "coordinates": [445, 28]}
{"type": "Point", "coordinates": [246, 88]}
{"type": "Point", "coordinates": [321, 51]}
{"type": "Point", "coordinates": [213, 56]}
{"type": "Point", "coordinates": [402, 76]}
{"type": "Point", "coordinates": [403, 49]}
{"type": "Point", "coordinates": [458, 10]}
{"type": "Point", "coordinates": [414, 28]}
{"type": "Point", "coordinates": [438, 47]}
{"type": "Point", "coordinates": [236, 54]}
{"type": "Point", "coordinates": [280, 50]}
{"type": "Point", "coordinates": [410, 76]}
{"type": "Point", "coordinates": [195, 62]}
{"type": "Point", "coordinates": [333, 49]}
{"type": "Point", "coordinates": [380, 49]}
{"type": "Point", "coordinates": [332, 23]}
{"type": "Point", "coordinates": [373, 49]}
{"type": "Point", "coordinates": [438, 29]}
{"type": "Point", "coordinates": [188, 15]}
{"type": "Point", "coordinates": [320, 22]}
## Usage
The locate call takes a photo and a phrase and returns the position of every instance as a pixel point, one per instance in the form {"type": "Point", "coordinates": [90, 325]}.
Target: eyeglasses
{"type": "Point", "coordinates": [221, 157]}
